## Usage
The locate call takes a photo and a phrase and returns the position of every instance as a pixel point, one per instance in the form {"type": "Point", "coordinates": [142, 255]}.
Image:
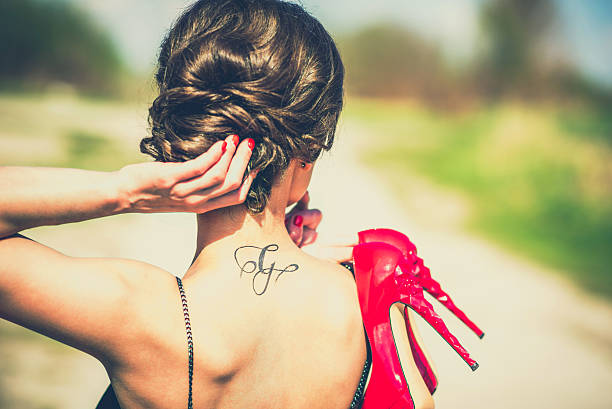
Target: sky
{"type": "Point", "coordinates": [138, 26]}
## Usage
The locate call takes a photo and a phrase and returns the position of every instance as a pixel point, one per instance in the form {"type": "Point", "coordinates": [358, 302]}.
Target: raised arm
{"type": "Point", "coordinates": [33, 197]}
{"type": "Point", "coordinates": [84, 302]}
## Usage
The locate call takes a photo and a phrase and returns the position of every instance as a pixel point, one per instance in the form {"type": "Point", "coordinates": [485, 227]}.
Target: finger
{"type": "Point", "coordinates": [217, 172]}
{"type": "Point", "coordinates": [237, 168]}
{"type": "Point", "coordinates": [312, 217]}
{"type": "Point", "coordinates": [309, 236]}
{"type": "Point", "coordinates": [294, 226]}
{"type": "Point", "coordinates": [233, 178]}
{"type": "Point", "coordinates": [229, 199]}
{"type": "Point", "coordinates": [213, 176]}
{"type": "Point", "coordinates": [302, 204]}
{"type": "Point", "coordinates": [195, 167]}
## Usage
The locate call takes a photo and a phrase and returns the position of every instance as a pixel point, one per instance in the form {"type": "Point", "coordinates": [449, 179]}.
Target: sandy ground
{"type": "Point", "coordinates": [547, 344]}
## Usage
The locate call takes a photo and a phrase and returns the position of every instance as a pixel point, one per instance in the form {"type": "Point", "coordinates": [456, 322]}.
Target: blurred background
{"type": "Point", "coordinates": [486, 123]}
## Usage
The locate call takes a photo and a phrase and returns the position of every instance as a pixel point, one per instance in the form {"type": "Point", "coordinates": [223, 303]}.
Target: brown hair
{"type": "Point", "coordinates": [261, 69]}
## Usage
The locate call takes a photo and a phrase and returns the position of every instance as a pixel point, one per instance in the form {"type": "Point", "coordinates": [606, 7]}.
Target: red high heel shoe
{"type": "Point", "coordinates": [423, 275]}
{"type": "Point", "coordinates": [382, 280]}
{"type": "Point", "coordinates": [421, 272]}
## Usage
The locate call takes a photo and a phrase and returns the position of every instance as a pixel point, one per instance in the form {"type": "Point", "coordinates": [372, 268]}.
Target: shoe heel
{"type": "Point", "coordinates": [429, 284]}
{"type": "Point", "coordinates": [383, 278]}
{"type": "Point", "coordinates": [411, 295]}
{"type": "Point", "coordinates": [435, 290]}
{"type": "Point", "coordinates": [425, 369]}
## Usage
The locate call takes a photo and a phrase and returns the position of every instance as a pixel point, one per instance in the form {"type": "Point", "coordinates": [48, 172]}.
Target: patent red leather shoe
{"type": "Point", "coordinates": [383, 278]}
{"type": "Point", "coordinates": [423, 275]}
{"type": "Point", "coordinates": [421, 272]}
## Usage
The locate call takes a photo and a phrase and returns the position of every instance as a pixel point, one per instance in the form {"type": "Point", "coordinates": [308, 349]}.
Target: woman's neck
{"type": "Point", "coordinates": [221, 231]}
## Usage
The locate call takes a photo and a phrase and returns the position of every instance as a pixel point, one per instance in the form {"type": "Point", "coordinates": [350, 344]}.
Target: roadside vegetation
{"type": "Point", "coordinates": [536, 184]}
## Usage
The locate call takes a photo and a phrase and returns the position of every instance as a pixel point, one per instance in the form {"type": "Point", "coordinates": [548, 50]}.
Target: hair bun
{"type": "Point", "coordinates": [261, 69]}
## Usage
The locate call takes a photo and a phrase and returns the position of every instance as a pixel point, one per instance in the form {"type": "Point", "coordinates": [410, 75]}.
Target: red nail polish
{"type": "Point", "coordinates": [224, 147]}
{"type": "Point", "coordinates": [298, 220]}
{"type": "Point", "coordinates": [235, 139]}
{"type": "Point", "coordinates": [251, 143]}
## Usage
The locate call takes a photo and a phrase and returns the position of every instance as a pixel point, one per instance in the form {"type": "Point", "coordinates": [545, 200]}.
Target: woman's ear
{"type": "Point", "coordinates": [299, 164]}
{"type": "Point", "coordinates": [301, 172]}
{"type": "Point", "coordinates": [307, 166]}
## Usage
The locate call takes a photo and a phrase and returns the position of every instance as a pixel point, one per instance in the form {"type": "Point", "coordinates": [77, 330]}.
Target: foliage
{"type": "Point", "coordinates": [385, 60]}
{"type": "Point", "coordinates": [47, 42]}
{"type": "Point", "coordinates": [520, 58]}
{"type": "Point", "coordinates": [88, 150]}
{"type": "Point", "coordinates": [515, 33]}
{"type": "Point", "coordinates": [534, 185]}
{"type": "Point", "coordinates": [69, 131]}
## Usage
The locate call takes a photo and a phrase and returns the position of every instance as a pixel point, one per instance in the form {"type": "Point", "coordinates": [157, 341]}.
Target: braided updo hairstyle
{"type": "Point", "coordinates": [261, 69]}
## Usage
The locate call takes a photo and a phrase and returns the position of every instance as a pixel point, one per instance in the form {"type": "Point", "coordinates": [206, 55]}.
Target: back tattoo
{"type": "Point", "coordinates": [252, 261]}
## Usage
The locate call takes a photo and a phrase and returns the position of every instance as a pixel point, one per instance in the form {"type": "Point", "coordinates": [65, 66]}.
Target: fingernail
{"type": "Point", "coordinates": [298, 220]}
{"type": "Point", "coordinates": [251, 143]}
{"type": "Point", "coordinates": [224, 147]}
{"type": "Point", "coordinates": [235, 140]}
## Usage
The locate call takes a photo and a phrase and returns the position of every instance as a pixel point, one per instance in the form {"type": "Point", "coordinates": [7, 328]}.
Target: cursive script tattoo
{"type": "Point", "coordinates": [252, 261]}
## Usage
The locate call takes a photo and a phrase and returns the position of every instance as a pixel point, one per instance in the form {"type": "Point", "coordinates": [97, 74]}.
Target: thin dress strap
{"type": "Point", "coordinates": [189, 341]}
{"type": "Point", "coordinates": [357, 398]}
{"type": "Point", "coordinates": [361, 387]}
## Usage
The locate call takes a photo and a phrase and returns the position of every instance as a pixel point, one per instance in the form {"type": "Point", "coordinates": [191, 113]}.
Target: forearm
{"type": "Point", "coordinates": [32, 197]}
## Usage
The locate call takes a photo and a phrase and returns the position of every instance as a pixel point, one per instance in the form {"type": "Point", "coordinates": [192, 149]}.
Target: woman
{"type": "Point", "coordinates": [255, 322]}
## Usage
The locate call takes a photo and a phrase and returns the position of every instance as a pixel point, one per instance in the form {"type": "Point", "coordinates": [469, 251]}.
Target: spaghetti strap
{"type": "Point", "coordinates": [365, 373]}
{"type": "Point", "coordinates": [109, 399]}
{"type": "Point", "coordinates": [189, 341]}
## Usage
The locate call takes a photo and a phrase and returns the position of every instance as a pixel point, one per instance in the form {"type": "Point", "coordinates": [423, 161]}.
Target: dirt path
{"type": "Point", "coordinates": [547, 345]}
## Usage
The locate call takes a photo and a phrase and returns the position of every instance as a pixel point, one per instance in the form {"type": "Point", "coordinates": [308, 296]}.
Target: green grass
{"type": "Point", "coordinates": [68, 131]}
{"type": "Point", "coordinates": [539, 180]}
{"type": "Point", "coordinates": [594, 123]}
{"type": "Point", "coordinates": [88, 150]}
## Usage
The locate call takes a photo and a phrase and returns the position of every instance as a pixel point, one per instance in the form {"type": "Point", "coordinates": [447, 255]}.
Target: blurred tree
{"type": "Point", "coordinates": [45, 42]}
{"type": "Point", "coordinates": [388, 61]}
{"type": "Point", "coordinates": [516, 34]}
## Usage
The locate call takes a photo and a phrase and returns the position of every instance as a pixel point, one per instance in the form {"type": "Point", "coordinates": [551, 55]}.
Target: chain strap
{"type": "Point", "coordinates": [357, 398]}
{"type": "Point", "coordinates": [189, 341]}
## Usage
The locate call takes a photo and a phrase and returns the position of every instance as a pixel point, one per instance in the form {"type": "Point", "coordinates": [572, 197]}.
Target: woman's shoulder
{"type": "Point", "coordinates": [326, 276]}
{"type": "Point", "coordinates": [336, 309]}
{"type": "Point", "coordinates": [332, 288]}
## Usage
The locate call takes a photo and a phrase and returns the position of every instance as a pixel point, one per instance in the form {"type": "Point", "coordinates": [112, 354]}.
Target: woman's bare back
{"type": "Point", "coordinates": [296, 342]}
